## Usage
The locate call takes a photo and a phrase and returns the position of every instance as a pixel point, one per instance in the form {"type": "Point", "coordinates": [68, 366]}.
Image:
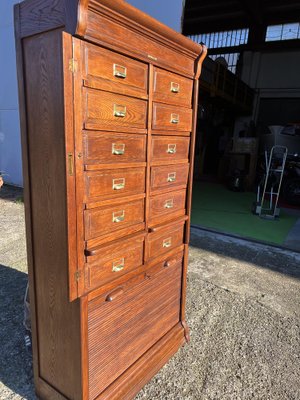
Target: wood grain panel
{"type": "Point", "coordinates": [166, 206]}
{"type": "Point", "coordinates": [58, 320]}
{"type": "Point", "coordinates": [169, 176]}
{"type": "Point", "coordinates": [111, 71]}
{"type": "Point", "coordinates": [108, 148]}
{"type": "Point", "coordinates": [109, 111]}
{"type": "Point", "coordinates": [130, 324]}
{"type": "Point", "coordinates": [171, 118]}
{"type": "Point", "coordinates": [114, 260]}
{"type": "Point", "coordinates": [101, 221]}
{"type": "Point", "coordinates": [172, 88]}
{"type": "Point", "coordinates": [169, 148]}
{"type": "Point", "coordinates": [136, 376]}
{"type": "Point", "coordinates": [114, 183]}
{"type": "Point", "coordinates": [105, 30]}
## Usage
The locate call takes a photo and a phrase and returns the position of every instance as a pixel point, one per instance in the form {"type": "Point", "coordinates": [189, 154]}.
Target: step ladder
{"type": "Point", "coordinates": [267, 204]}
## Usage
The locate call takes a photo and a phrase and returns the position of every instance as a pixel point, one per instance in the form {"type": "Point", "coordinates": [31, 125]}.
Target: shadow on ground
{"type": "Point", "coordinates": [263, 256]}
{"type": "Point", "coordinates": [16, 360]}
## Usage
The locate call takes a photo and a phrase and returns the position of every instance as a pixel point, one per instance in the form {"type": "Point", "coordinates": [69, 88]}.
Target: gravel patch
{"type": "Point", "coordinates": [242, 308]}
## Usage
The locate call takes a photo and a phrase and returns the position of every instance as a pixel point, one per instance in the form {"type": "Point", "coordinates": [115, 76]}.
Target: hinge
{"type": "Point", "coordinates": [73, 65]}
{"type": "Point", "coordinates": [77, 275]}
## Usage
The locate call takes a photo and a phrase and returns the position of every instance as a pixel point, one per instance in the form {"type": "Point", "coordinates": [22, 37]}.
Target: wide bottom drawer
{"type": "Point", "coordinates": [124, 324]}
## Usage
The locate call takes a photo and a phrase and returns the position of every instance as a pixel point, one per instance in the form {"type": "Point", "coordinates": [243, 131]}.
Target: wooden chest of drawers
{"type": "Point", "coordinates": [108, 101]}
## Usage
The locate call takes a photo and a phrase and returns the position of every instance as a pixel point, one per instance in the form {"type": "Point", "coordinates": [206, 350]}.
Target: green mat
{"type": "Point", "coordinates": [216, 207]}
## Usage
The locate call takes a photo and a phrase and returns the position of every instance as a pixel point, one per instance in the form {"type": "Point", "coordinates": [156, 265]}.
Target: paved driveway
{"type": "Point", "coordinates": [243, 310]}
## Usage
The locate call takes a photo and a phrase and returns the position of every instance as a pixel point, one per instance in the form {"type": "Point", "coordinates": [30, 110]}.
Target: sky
{"type": "Point", "coordinates": [166, 11]}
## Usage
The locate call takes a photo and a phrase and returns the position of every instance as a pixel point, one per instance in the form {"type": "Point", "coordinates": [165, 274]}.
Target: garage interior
{"type": "Point", "coordinates": [249, 102]}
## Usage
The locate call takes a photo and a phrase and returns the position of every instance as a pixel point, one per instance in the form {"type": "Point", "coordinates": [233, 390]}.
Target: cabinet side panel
{"type": "Point", "coordinates": [58, 320]}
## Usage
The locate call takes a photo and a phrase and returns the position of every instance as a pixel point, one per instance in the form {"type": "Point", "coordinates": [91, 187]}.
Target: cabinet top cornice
{"type": "Point", "coordinates": [74, 16]}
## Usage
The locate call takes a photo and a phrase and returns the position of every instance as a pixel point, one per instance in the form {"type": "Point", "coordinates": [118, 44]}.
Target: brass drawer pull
{"type": "Point", "coordinates": [118, 265]}
{"type": "Point", "coordinates": [167, 243]}
{"type": "Point", "coordinates": [118, 149]}
{"type": "Point", "coordinates": [119, 111]}
{"type": "Point", "coordinates": [175, 87]}
{"type": "Point", "coordinates": [171, 149]}
{"type": "Point", "coordinates": [120, 71]}
{"type": "Point", "coordinates": [174, 118]}
{"type": "Point", "coordinates": [171, 177]}
{"type": "Point", "coordinates": [169, 204]}
{"type": "Point", "coordinates": [118, 216]}
{"type": "Point", "coordinates": [118, 184]}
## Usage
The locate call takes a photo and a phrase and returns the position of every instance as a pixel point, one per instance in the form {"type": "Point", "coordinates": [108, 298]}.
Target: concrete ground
{"type": "Point", "coordinates": [243, 308]}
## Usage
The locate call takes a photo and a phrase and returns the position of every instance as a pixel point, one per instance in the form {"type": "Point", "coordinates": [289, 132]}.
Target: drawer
{"type": "Point", "coordinates": [169, 176]}
{"type": "Point", "coordinates": [171, 204]}
{"type": "Point", "coordinates": [105, 29]}
{"type": "Point", "coordinates": [104, 220]}
{"type": "Point", "coordinates": [107, 148]}
{"type": "Point", "coordinates": [109, 262]}
{"type": "Point", "coordinates": [164, 240]}
{"type": "Point", "coordinates": [171, 118]}
{"type": "Point", "coordinates": [109, 111]}
{"type": "Point", "coordinates": [114, 183]}
{"type": "Point", "coordinates": [130, 320]}
{"type": "Point", "coordinates": [169, 148]}
{"type": "Point", "coordinates": [172, 88]}
{"type": "Point", "coordinates": [111, 71]}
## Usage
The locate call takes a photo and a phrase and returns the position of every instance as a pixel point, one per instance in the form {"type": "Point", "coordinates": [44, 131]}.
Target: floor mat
{"type": "Point", "coordinates": [214, 206]}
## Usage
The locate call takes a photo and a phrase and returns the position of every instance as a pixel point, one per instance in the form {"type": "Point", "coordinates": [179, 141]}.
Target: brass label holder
{"type": "Point", "coordinates": [120, 71]}
{"type": "Point", "coordinates": [118, 184]}
{"type": "Point", "coordinates": [118, 149]}
{"type": "Point", "coordinates": [118, 265]}
{"type": "Point", "coordinates": [171, 177]}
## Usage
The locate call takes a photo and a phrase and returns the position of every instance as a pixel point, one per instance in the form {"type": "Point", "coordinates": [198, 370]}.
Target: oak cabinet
{"type": "Point", "coordinates": [108, 102]}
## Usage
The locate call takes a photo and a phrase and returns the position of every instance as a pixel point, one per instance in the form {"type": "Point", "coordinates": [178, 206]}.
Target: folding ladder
{"type": "Point", "coordinates": [275, 164]}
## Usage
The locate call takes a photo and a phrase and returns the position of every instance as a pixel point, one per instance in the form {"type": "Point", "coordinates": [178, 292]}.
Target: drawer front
{"type": "Point", "coordinates": [105, 29]}
{"type": "Point", "coordinates": [114, 183]}
{"type": "Point", "coordinates": [107, 148]}
{"type": "Point", "coordinates": [168, 204]}
{"type": "Point", "coordinates": [171, 118]}
{"type": "Point", "coordinates": [111, 71]}
{"type": "Point", "coordinates": [169, 176]}
{"type": "Point", "coordinates": [101, 221]}
{"type": "Point", "coordinates": [163, 241]}
{"type": "Point", "coordinates": [168, 148]}
{"type": "Point", "coordinates": [114, 260]}
{"type": "Point", "coordinates": [109, 111]}
{"type": "Point", "coordinates": [172, 88]}
{"type": "Point", "coordinates": [139, 314]}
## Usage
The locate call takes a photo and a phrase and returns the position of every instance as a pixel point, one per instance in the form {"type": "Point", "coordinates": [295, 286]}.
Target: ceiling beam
{"type": "Point", "coordinates": [253, 9]}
